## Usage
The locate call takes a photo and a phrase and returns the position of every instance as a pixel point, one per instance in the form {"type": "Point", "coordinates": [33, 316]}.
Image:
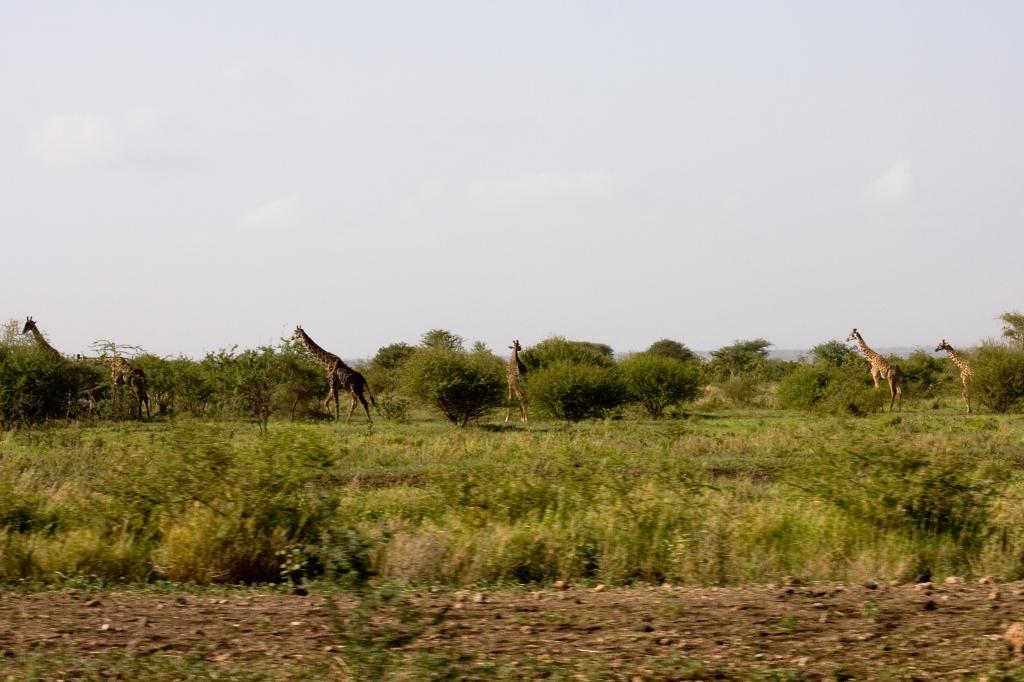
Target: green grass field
{"type": "Point", "coordinates": [723, 499]}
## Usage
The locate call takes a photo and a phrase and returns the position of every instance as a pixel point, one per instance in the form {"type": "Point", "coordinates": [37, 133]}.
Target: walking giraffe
{"type": "Point", "coordinates": [516, 376]}
{"type": "Point", "coordinates": [92, 395]}
{"type": "Point", "coordinates": [124, 373]}
{"type": "Point", "coordinates": [965, 369]}
{"type": "Point", "coordinates": [882, 369]}
{"type": "Point", "coordinates": [340, 377]}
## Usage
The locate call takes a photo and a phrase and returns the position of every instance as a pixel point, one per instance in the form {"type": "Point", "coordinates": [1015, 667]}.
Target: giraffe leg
{"type": "Point", "coordinates": [508, 412]}
{"type": "Point", "coordinates": [352, 407]}
{"type": "Point", "coordinates": [366, 406]}
{"type": "Point", "coordinates": [967, 397]}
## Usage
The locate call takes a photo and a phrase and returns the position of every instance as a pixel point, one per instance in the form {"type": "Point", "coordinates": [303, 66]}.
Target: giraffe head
{"type": "Point", "coordinates": [297, 334]}
{"type": "Point", "coordinates": [943, 346]}
{"type": "Point", "coordinates": [515, 346]}
{"type": "Point", "coordinates": [854, 335]}
{"type": "Point", "coordinates": [30, 325]}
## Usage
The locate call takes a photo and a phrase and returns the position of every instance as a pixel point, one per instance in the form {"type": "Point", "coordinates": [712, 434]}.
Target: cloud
{"type": "Point", "coordinates": [135, 138]}
{"type": "Point", "coordinates": [75, 140]}
{"type": "Point", "coordinates": [280, 213]}
{"type": "Point", "coordinates": [894, 184]}
{"type": "Point", "coordinates": [541, 187]}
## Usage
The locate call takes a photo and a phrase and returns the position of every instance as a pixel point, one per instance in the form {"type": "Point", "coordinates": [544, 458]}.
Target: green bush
{"type": "Point", "coordinates": [574, 392]}
{"type": "Point", "coordinates": [999, 377]}
{"type": "Point", "coordinates": [829, 388]}
{"type": "Point", "coordinates": [559, 349]}
{"type": "Point", "coordinates": [36, 386]}
{"type": "Point", "coordinates": [383, 371]}
{"type": "Point", "coordinates": [463, 386]}
{"type": "Point", "coordinates": [658, 381]}
{"type": "Point", "coordinates": [927, 376]}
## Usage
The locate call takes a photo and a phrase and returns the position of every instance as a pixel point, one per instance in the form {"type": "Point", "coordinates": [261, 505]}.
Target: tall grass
{"type": "Point", "coordinates": [722, 501]}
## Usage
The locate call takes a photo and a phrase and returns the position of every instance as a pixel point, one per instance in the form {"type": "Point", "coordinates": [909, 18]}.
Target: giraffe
{"type": "Point", "coordinates": [882, 369]}
{"type": "Point", "coordinates": [92, 395]}
{"type": "Point", "coordinates": [966, 372]}
{"type": "Point", "coordinates": [516, 376]}
{"type": "Point", "coordinates": [340, 377]}
{"type": "Point", "coordinates": [30, 326]}
{"type": "Point", "coordinates": [124, 373]}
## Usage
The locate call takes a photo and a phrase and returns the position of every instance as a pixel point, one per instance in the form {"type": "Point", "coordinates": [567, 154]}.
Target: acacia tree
{"type": "Point", "coordinates": [442, 339]}
{"type": "Point", "coordinates": [739, 358]}
{"type": "Point", "coordinates": [670, 348]}
{"type": "Point", "coordinates": [1013, 327]}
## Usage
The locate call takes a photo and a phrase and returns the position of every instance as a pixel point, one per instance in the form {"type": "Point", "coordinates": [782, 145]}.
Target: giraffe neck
{"type": "Point", "coordinates": [958, 360]}
{"type": "Point", "coordinates": [866, 350]}
{"type": "Point", "coordinates": [328, 360]}
{"type": "Point", "coordinates": [42, 343]}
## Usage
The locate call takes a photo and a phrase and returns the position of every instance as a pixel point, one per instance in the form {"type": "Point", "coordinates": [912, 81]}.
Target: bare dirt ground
{"type": "Point", "coordinates": [817, 631]}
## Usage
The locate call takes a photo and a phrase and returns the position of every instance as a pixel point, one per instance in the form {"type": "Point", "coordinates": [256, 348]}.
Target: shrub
{"type": "Point", "coordinates": [463, 386]}
{"type": "Point", "coordinates": [559, 349]}
{"type": "Point", "coordinates": [999, 377]}
{"type": "Point", "coordinates": [826, 387]}
{"type": "Point", "coordinates": [657, 381]}
{"type": "Point", "coordinates": [928, 376]}
{"type": "Point", "coordinates": [575, 392]}
{"type": "Point", "coordinates": [35, 386]}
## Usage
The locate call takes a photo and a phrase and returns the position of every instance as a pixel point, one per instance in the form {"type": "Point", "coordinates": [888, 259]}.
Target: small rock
{"type": "Point", "coordinates": [526, 630]}
{"type": "Point", "coordinates": [871, 585]}
{"type": "Point", "coordinates": [479, 598]}
{"type": "Point", "coordinates": [930, 605]}
{"type": "Point", "coordinates": [1014, 637]}
{"type": "Point", "coordinates": [924, 587]}
{"type": "Point", "coordinates": [666, 586]}
{"type": "Point", "coordinates": [993, 595]}
{"type": "Point", "coordinates": [819, 605]}
{"type": "Point", "coordinates": [986, 580]}
{"type": "Point", "coordinates": [953, 580]}
{"type": "Point", "coordinates": [221, 601]}
{"type": "Point", "coordinates": [181, 601]}
{"type": "Point", "coordinates": [802, 661]}
{"type": "Point", "coordinates": [645, 626]}
{"type": "Point", "coordinates": [93, 603]}
{"type": "Point", "coordinates": [560, 585]}
{"type": "Point", "coordinates": [458, 605]}
{"type": "Point", "coordinates": [599, 588]}
{"type": "Point", "coordinates": [823, 618]}
{"type": "Point", "coordinates": [300, 591]}
{"type": "Point", "coordinates": [295, 623]}
{"type": "Point", "coordinates": [790, 580]}
{"type": "Point", "coordinates": [105, 627]}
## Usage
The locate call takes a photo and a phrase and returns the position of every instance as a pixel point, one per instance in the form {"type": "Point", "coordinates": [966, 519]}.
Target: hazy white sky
{"type": "Point", "coordinates": [193, 175]}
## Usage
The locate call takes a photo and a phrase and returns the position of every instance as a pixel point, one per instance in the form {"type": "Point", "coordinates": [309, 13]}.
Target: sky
{"type": "Point", "coordinates": [189, 176]}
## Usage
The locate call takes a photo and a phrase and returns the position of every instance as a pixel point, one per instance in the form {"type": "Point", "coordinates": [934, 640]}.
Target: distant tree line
{"type": "Point", "coordinates": [566, 379]}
